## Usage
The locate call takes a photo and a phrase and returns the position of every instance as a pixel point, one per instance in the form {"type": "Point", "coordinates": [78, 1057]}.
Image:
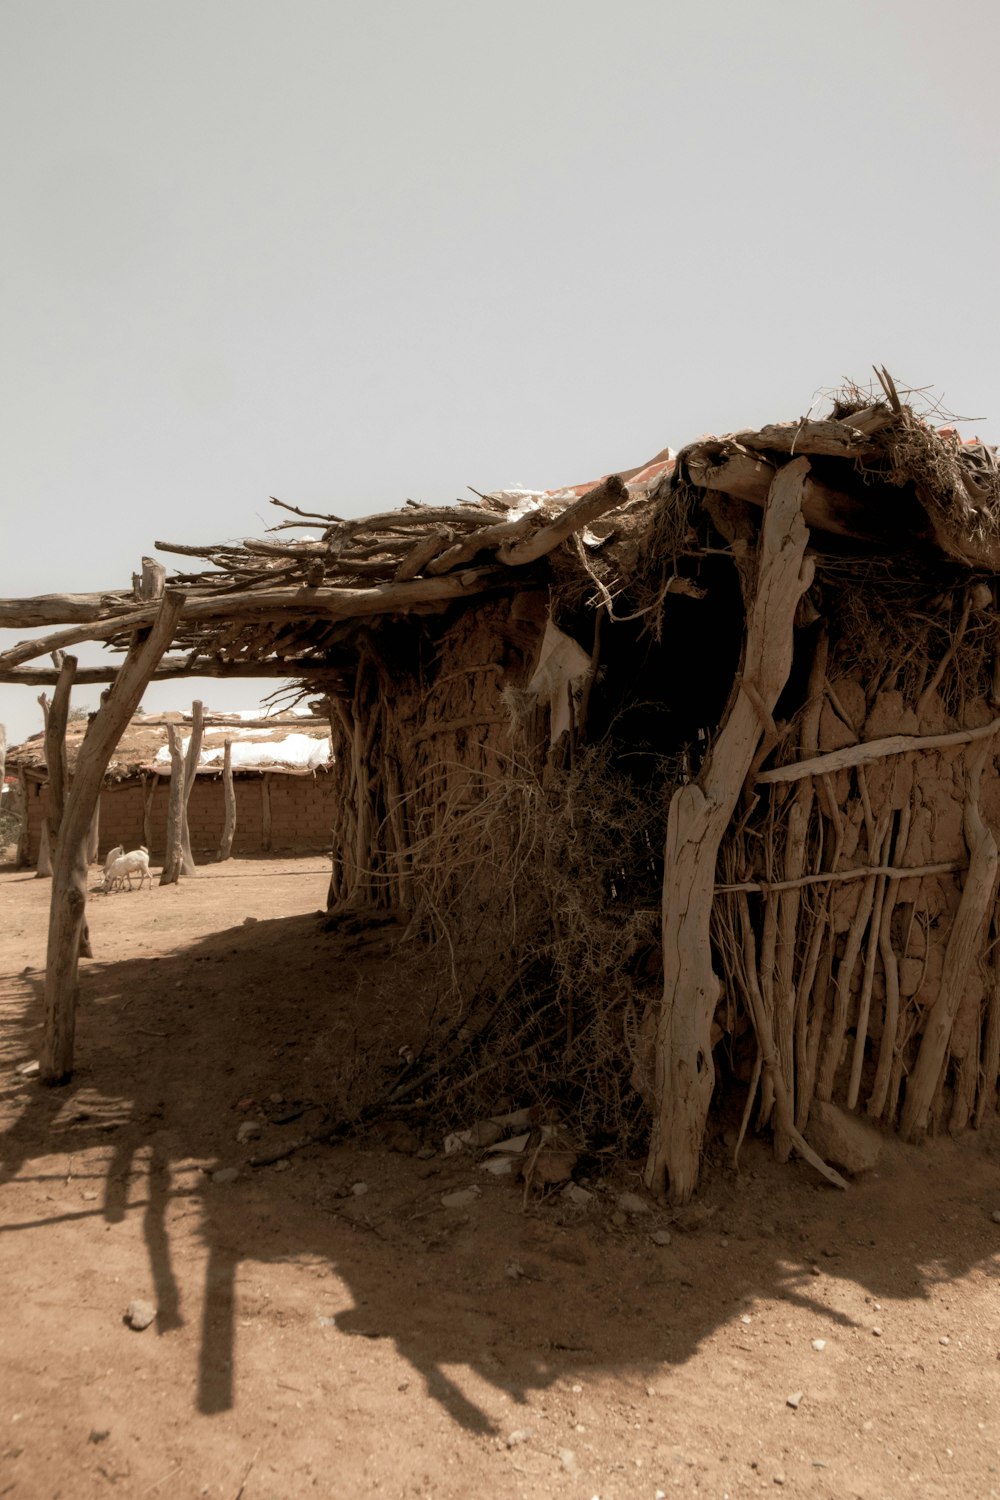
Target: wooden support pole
{"type": "Point", "coordinates": [148, 794]}
{"type": "Point", "coordinates": [171, 871]}
{"type": "Point", "coordinates": [21, 857]}
{"type": "Point", "coordinates": [69, 883]}
{"type": "Point", "coordinates": [229, 791]}
{"type": "Point", "coordinates": [697, 821]}
{"type": "Point", "coordinates": [188, 866]}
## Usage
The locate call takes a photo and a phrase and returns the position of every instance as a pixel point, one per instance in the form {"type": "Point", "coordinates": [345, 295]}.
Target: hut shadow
{"type": "Point", "coordinates": [521, 1300]}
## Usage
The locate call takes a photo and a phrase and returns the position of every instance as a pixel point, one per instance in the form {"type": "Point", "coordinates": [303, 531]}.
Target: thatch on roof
{"type": "Point", "coordinates": [534, 696]}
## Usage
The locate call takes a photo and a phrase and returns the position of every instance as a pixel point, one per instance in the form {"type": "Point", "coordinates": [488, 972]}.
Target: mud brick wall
{"type": "Point", "coordinates": [302, 814]}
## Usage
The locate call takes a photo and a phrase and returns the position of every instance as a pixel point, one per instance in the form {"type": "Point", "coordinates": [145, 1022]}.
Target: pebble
{"type": "Point", "coordinates": [226, 1174]}
{"type": "Point", "coordinates": [876, 1333]}
{"type": "Point", "coordinates": [139, 1314]}
{"type": "Point", "coordinates": [462, 1198]}
{"type": "Point", "coordinates": [568, 1460]}
{"type": "Point", "coordinates": [794, 1400]}
{"type": "Point", "coordinates": [945, 1341]}
{"type": "Point", "coordinates": [359, 1189]}
{"type": "Point", "coordinates": [89, 1197]}
{"type": "Point", "coordinates": [819, 1345]}
{"type": "Point", "coordinates": [248, 1131]}
{"type": "Point", "coordinates": [518, 1436]}
{"type": "Point", "coordinates": [631, 1203]}
{"type": "Point", "coordinates": [660, 1236]}
{"type": "Point", "coordinates": [995, 1216]}
{"type": "Point", "coordinates": [282, 1165]}
{"type": "Point", "coordinates": [746, 1318]}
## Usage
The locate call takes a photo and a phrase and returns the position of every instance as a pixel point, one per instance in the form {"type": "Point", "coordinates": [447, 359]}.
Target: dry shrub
{"type": "Point", "coordinates": [533, 946]}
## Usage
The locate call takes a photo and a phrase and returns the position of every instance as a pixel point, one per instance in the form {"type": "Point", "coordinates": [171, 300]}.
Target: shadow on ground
{"type": "Point", "coordinates": [169, 1048]}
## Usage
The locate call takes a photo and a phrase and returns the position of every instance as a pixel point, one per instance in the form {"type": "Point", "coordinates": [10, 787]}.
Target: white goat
{"type": "Point", "coordinates": [127, 865]}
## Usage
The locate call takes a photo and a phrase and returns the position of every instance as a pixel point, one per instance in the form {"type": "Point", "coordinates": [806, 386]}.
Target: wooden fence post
{"type": "Point", "coordinates": [178, 859]}
{"type": "Point", "coordinates": [69, 882]}
{"type": "Point", "coordinates": [229, 828]}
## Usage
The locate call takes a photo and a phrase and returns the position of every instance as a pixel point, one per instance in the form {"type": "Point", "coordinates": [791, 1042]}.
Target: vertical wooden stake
{"type": "Point", "coordinates": [188, 866]}
{"type": "Point", "coordinates": [171, 872]}
{"type": "Point", "coordinates": [69, 883]}
{"type": "Point", "coordinates": [229, 791]}
{"type": "Point", "coordinates": [21, 857]}
{"type": "Point", "coordinates": [148, 794]}
{"type": "Point", "coordinates": [697, 821]}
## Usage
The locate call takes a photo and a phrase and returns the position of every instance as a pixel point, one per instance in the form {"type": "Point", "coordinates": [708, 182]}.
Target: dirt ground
{"type": "Point", "coordinates": [312, 1339]}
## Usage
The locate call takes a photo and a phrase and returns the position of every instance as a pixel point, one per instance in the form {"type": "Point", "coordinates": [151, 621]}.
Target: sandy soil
{"type": "Point", "coordinates": [310, 1340]}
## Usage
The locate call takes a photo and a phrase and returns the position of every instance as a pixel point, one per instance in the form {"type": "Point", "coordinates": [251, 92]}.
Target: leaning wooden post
{"type": "Point", "coordinates": [188, 866]}
{"type": "Point", "coordinates": [697, 821]}
{"type": "Point", "coordinates": [69, 882]}
{"type": "Point", "coordinates": [229, 827]}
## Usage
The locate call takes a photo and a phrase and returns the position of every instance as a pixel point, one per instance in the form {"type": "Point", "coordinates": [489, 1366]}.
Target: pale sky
{"type": "Point", "coordinates": [350, 253]}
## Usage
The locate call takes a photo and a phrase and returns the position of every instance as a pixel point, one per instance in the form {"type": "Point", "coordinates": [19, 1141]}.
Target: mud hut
{"type": "Point", "coordinates": [685, 781]}
{"type": "Point", "coordinates": [282, 787]}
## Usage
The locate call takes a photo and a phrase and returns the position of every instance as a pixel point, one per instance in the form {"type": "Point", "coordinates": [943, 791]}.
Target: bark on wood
{"type": "Point", "coordinates": [152, 579]}
{"type": "Point", "coordinates": [56, 716]}
{"type": "Point", "coordinates": [94, 837]}
{"type": "Point", "coordinates": [771, 1061]}
{"type": "Point", "coordinates": [171, 871]}
{"type": "Point", "coordinates": [324, 603]}
{"type": "Point", "coordinates": [828, 436]}
{"type": "Point", "coordinates": [603, 497]}
{"type": "Point", "coordinates": [188, 866]}
{"type": "Point", "coordinates": [43, 869]}
{"type": "Point", "coordinates": [421, 553]}
{"type": "Point", "coordinates": [698, 817]}
{"type": "Point", "coordinates": [21, 857]}
{"type": "Point", "coordinates": [69, 884]}
{"type": "Point", "coordinates": [181, 666]}
{"type": "Point", "coordinates": [964, 945]}
{"type": "Point", "coordinates": [57, 609]}
{"type": "Point", "coordinates": [3, 753]}
{"type": "Point", "coordinates": [148, 793]}
{"type": "Point", "coordinates": [869, 750]}
{"type": "Point", "coordinates": [229, 792]}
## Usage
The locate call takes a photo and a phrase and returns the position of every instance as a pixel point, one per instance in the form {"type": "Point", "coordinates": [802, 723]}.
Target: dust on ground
{"type": "Point", "coordinates": [316, 1337]}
